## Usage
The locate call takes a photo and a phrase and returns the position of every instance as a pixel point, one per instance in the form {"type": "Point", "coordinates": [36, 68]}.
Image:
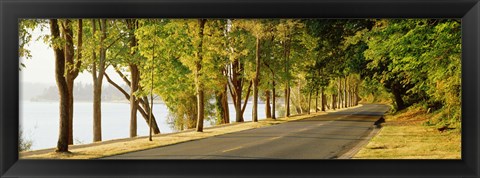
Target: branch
{"type": "Point", "coordinates": [122, 76]}
{"type": "Point", "coordinates": [117, 86]}
{"type": "Point", "coordinates": [232, 92]}
{"type": "Point", "coordinates": [246, 97]}
{"type": "Point", "coordinates": [119, 37]}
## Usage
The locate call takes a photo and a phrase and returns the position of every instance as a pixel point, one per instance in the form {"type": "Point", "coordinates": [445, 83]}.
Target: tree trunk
{"type": "Point", "coordinates": [333, 102]}
{"type": "Point", "coordinates": [398, 97]}
{"type": "Point", "coordinates": [146, 107]}
{"type": "Point", "coordinates": [97, 84]}
{"type": "Point", "coordinates": [69, 76]}
{"type": "Point", "coordinates": [287, 101]}
{"type": "Point", "coordinates": [226, 110]}
{"type": "Point", "coordinates": [345, 98]}
{"type": "Point", "coordinates": [62, 144]}
{"type": "Point", "coordinates": [236, 88]}
{"type": "Point", "coordinates": [268, 111]}
{"type": "Point", "coordinates": [273, 98]}
{"type": "Point", "coordinates": [135, 79]}
{"type": "Point", "coordinates": [199, 85]}
{"type": "Point", "coordinates": [238, 106]}
{"type": "Point", "coordinates": [255, 82]}
{"type": "Point", "coordinates": [222, 106]}
{"type": "Point", "coordinates": [309, 101]}
{"type": "Point", "coordinates": [324, 99]}
{"type": "Point", "coordinates": [287, 85]}
{"type": "Point", "coordinates": [316, 100]}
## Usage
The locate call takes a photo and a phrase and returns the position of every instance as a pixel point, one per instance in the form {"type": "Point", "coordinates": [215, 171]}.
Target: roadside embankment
{"type": "Point", "coordinates": [405, 135]}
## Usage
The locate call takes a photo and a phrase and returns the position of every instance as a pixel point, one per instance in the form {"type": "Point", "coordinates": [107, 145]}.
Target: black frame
{"type": "Point", "coordinates": [11, 11]}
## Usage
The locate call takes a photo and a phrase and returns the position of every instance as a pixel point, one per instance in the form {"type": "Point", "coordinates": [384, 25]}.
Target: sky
{"type": "Point", "coordinates": [41, 67]}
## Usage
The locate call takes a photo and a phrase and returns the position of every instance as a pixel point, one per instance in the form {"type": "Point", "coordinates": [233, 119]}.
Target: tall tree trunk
{"type": "Point", "coordinates": [345, 98]}
{"type": "Point", "coordinates": [238, 106]}
{"type": "Point", "coordinates": [255, 82]}
{"type": "Point", "coordinates": [268, 111]}
{"type": "Point", "coordinates": [224, 101]}
{"type": "Point", "coordinates": [287, 85]}
{"type": "Point", "coordinates": [97, 83]}
{"type": "Point", "coordinates": [237, 69]}
{"type": "Point", "coordinates": [199, 85]}
{"type": "Point", "coordinates": [62, 144]}
{"type": "Point", "coordinates": [135, 78]}
{"type": "Point", "coordinates": [226, 110]}
{"type": "Point", "coordinates": [324, 99]}
{"type": "Point", "coordinates": [236, 88]}
{"type": "Point", "coordinates": [398, 97]}
{"type": "Point", "coordinates": [309, 101]}
{"type": "Point", "coordinates": [69, 72]}
{"type": "Point", "coordinates": [334, 103]}
{"type": "Point", "coordinates": [273, 98]}
{"type": "Point", "coordinates": [316, 100]}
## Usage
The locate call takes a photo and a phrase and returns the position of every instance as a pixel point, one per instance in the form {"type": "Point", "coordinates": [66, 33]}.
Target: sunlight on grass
{"type": "Point", "coordinates": [404, 136]}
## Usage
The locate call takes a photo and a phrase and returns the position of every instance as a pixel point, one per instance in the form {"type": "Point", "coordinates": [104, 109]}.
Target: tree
{"type": "Point", "coordinates": [98, 71]}
{"type": "Point", "coordinates": [73, 67]}
{"type": "Point", "coordinates": [62, 144]}
{"type": "Point", "coordinates": [239, 51]}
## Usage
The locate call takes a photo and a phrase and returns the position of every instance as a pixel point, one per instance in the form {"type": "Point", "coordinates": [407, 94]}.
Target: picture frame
{"type": "Point", "coordinates": [11, 11]}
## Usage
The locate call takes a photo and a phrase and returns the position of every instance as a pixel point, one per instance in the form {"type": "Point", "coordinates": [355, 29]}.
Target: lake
{"type": "Point", "coordinates": [39, 121]}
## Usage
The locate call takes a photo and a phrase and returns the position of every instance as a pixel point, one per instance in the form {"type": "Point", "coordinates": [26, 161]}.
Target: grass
{"type": "Point", "coordinates": [142, 143]}
{"type": "Point", "coordinates": [405, 136]}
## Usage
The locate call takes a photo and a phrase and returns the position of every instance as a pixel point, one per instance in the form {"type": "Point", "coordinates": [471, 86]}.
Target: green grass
{"type": "Point", "coordinates": [405, 136]}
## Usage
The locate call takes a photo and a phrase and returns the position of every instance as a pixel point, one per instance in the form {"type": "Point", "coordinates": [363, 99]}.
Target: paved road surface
{"type": "Point", "coordinates": [322, 137]}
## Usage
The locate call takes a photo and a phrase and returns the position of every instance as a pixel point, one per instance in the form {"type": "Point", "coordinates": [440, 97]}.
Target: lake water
{"type": "Point", "coordinates": [39, 121]}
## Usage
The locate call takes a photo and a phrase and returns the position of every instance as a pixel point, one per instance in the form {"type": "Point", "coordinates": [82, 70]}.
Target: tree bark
{"type": "Point", "coordinates": [97, 83]}
{"type": "Point", "coordinates": [273, 97]}
{"type": "Point", "coordinates": [62, 144]}
{"type": "Point", "coordinates": [339, 93]}
{"type": "Point", "coordinates": [246, 97]}
{"type": "Point", "coordinates": [69, 72]}
{"type": "Point", "coordinates": [345, 102]}
{"type": "Point", "coordinates": [226, 110]}
{"type": "Point", "coordinates": [309, 100]}
{"type": "Point", "coordinates": [268, 112]}
{"type": "Point", "coordinates": [255, 81]}
{"type": "Point", "coordinates": [398, 97]}
{"type": "Point", "coordinates": [236, 88]}
{"type": "Point", "coordinates": [199, 85]}
{"type": "Point", "coordinates": [324, 99]}
{"type": "Point", "coordinates": [287, 85]}
{"type": "Point", "coordinates": [334, 103]}
{"type": "Point", "coordinates": [316, 100]}
{"type": "Point", "coordinates": [135, 79]}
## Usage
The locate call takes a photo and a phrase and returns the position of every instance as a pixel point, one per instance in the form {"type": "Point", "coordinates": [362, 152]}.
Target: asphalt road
{"type": "Point", "coordinates": [322, 137]}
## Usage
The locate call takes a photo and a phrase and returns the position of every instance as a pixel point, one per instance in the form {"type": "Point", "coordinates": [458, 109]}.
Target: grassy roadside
{"type": "Point", "coordinates": [137, 144]}
{"type": "Point", "coordinates": [405, 135]}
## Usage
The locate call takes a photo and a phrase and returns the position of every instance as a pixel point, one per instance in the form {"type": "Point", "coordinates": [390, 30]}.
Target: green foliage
{"type": "Point", "coordinates": [423, 56]}
{"type": "Point", "coordinates": [406, 61]}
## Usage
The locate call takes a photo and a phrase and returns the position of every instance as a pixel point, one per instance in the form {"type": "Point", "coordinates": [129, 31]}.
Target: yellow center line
{"type": "Point", "coordinates": [236, 148]}
{"type": "Point", "coordinates": [274, 138]}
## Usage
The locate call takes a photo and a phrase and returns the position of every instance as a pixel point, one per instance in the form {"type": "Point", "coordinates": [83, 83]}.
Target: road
{"type": "Point", "coordinates": [321, 137]}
